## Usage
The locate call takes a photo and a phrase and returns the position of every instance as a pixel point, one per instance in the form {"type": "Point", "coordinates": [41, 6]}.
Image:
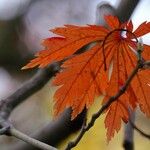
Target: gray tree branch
{"type": "Point", "coordinates": [144, 134]}
{"type": "Point", "coordinates": [29, 88]}
{"type": "Point", "coordinates": [55, 131]}
{"type": "Point", "coordinates": [32, 141]}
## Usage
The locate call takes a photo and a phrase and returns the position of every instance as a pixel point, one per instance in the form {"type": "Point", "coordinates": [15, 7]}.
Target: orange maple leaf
{"type": "Point", "coordinates": [83, 76]}
{"type": "Point", "coordinates": [74, 38]}
{"type": "Point", "coordinates": [124, 60]}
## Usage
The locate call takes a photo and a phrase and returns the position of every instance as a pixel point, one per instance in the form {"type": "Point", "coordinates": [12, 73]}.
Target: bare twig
{"type": "Point", "coordinates": [139, 130]}
{"type": "Point", "coordinates": [27, 139]}
{"type": "Point", "coordinates": [55, 131]}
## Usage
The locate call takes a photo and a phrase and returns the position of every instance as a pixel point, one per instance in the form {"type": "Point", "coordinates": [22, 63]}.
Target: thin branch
{"type": "Point", "coordinates": [55, 131]}
{"type": "Point", "coordinates": [144, 134]}
{"type": "Point", "coordinates": [26, 90]}
{"type": "Point", "coordinates": [95, 116]}
{"type": "Point", "coordinates": [14, 132]}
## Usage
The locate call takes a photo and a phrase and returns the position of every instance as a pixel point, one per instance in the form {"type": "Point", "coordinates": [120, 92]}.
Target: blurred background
{"type": "Point", "coordinates": [23, 25]}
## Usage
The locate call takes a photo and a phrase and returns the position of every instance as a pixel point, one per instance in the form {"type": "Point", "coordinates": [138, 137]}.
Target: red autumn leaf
{"type": "Point", "coordinates": [58, 48]}
{"type": "Point", "coordinates": [125, 62]}
{"type": "Point", "coordinates": [118, 110]}
{"type": "Point", "coordinates": [143, 29]}
{"type": "Point", "coordinates": [140, 83]}
{"type": "Point", "coordinates": [112, 22]}
{"type": "Point", "coordinates": [83, 77]}
{"type": "Point", "coordinates": [82, 83]}
{"type": "Point", "coordinates": [146, 52]}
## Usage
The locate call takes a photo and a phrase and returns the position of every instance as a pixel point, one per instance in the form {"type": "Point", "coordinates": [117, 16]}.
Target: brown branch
{"type": "Point", "coordinates": [144, 134]}
{"type": "Point", "coordinates": [112, 99]}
